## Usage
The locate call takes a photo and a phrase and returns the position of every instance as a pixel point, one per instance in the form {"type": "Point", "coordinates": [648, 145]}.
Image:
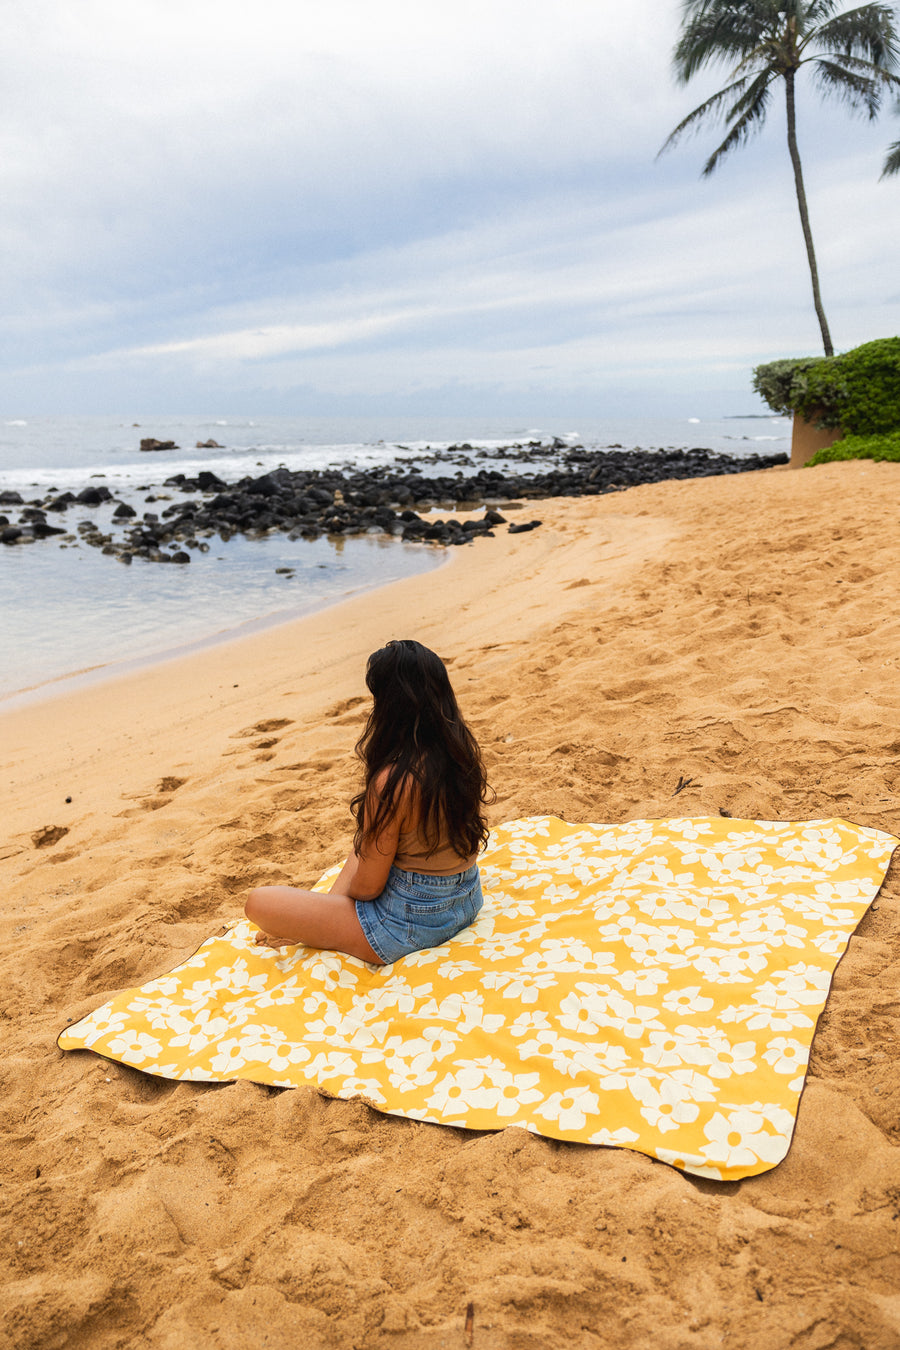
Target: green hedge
{"type": "Point", "coordinates": [860, 447]}
{"type": "Point", "coordinates": [858, 391]}
{"type": "Point", "coordinates": [783, 383]}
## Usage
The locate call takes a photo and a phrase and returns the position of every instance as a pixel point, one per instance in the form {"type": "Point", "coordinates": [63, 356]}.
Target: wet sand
{"type": "Point", "coordinates": [737, 635]}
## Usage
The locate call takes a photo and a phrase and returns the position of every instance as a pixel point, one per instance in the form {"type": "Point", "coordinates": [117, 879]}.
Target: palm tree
{"type": "Point", "coordinates": [892, 163]}
{"type": "Point", "coordinates": [853, 56]}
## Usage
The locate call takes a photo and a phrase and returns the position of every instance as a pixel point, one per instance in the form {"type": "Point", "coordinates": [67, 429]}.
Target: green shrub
{"type": "Point", "coordinates": [860, 447]}
{"type": "Point", "coordinates": [780, 382]}
{"type": "Point", "coordinates": [858, 391]}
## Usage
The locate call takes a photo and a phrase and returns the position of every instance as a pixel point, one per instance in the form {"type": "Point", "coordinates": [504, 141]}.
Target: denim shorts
{"type": "Point", "coordinates": [419, 909]}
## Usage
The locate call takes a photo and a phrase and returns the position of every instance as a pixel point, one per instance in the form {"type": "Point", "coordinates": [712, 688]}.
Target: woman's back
{"type": "Point", "coordinates": [413, 855]}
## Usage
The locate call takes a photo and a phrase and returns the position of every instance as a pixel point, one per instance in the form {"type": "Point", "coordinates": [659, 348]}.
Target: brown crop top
{"type": "Point", "coordinates": [412, 856]}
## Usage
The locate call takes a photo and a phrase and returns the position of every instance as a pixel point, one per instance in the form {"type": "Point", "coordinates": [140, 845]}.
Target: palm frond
{"type": "Point", "coordinates": [892, 163]}
{"type": "Point", "coordinates": [750, 121]}
{"type": "Point", "coordinates": [818, 11]}
{"type": "Point", "coordinates": [859, 65]}
{"type": "Point", "coordinates": [711, 108]}
{"type": "Point", "coordinates": [860, 92]}
{"type": "Point", "coordinates": [867, 32]}
{"type": "Point", "coordinates": [715, 31]}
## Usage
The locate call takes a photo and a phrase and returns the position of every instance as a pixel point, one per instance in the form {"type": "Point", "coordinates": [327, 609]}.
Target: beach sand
{"type": "Point", "coordinates": [739, 634]}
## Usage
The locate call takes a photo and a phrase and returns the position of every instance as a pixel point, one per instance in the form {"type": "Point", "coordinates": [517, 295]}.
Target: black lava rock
{"type": "Point", "coordinates": [307, 502]}
{"type": "Point", "coordinates": [93, 496]}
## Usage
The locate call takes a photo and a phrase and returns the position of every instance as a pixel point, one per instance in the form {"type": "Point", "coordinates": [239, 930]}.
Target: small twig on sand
{"type": "Point", "coordinates": [684, 783]}
{"type": "Point", "coordinates": [470, 1323]}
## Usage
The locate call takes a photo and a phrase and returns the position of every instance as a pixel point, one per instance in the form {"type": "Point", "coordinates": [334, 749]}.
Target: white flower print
{"type": "Point", "coordinates": [157, 1001]}
{"type": "Point", "coordinates": [739, 1138]}
{"type": "Point", "coordinates": [331, 1065]}
{"type": "Point", "coordinates": [832, 942]}
{"type": "Point", "coordinates": [620, 1138]}
{"type": "Point", "coordinates": [757, 1018]}
{"type": "Point", "coordinates": [333, 973]}
{"type": "Point", "coordinates": [238, 978]}
{"type": "Point", "coordinates": [634, 1019]}
{"type": "Point", "coordinates": [317, 1002]}
{"type": "Point", "coordinates": [199, 992]}
{"type": "Point", "coordinates": [804, 984]}
{"type": "Point", "coordinates": [500, 948]}
{"type": "Point", "coordinates": [644, 983]}
{"type": "Point", "coordinates": [270, 1046]}
{"type": "Point", "coordinates": [134, 1046]}
{"type": "Point", "coordinates": [570, 1109]}
{"type": "Point", "coordinates": [370, 1088]}
{"type": "Point", "coordinates": [668, 1049]}
{"type": "Point", "coordinates": [655, 947]}
{"type": "Point", "coordinates": [408, 1075]}
{"type": "Point", "coordinates": [766, 925]}
{"type": "Point", "coordinates": [786, 1055]}
{"type": "Point", "coordinates": [656, 968]}
{"type": "Point", "coordinates": [720, 1057]}
{"type": "Point", "coordinates": [686, 1000]}
{"type": "Point", "coordinates": [464, 1011]}
{"type": "Point", "coordinates": [539, 880]}
{"type": "Point", "coordinates": [229, 1057]}
{"type": "Point", "coordinates": [202, 1030]}
{"type": "Point", "coordinates": [693, 1086]}
{"type": "Point", "coordinates": [719, 966]}
{"type": "Point", "coordinates": [702, 909]}
{"type": "Point", "coordinates": [328, 1028]}
{"type": "Point", "coordinates": [600, 1059]}
{"type": "Point", "coordinates": [280, 995]}
{"type": "Point", "coordinates": [436, 1042]}
{"type": "Point", "coordinates": [585, 1012]}
{"type": "Point", "coordinates": [528, 1022]}
{"type": "Point", "coordinates": [455, 970]}
{"type": "Point", "coordinates": [526, 987]}
{"type": "Point", "coordinates": [453, 1094]}
{"type": "Point", "coordinates": [662, 1106]}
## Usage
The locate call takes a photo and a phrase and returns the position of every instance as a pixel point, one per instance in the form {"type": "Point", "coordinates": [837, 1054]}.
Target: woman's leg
{"type": "Point", "coordinates": [288, 915]}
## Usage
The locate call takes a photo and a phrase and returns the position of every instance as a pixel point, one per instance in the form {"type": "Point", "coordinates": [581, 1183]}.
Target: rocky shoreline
{"type": "Point", "coordinates": [389, 499]}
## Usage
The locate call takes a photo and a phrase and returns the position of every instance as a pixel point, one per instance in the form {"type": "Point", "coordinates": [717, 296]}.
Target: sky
{"type": "Point", "coordinates": [351, 207]}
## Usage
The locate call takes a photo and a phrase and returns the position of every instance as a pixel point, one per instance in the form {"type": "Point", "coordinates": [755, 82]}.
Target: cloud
{"type": "Point", "coordinates": [359, 199]}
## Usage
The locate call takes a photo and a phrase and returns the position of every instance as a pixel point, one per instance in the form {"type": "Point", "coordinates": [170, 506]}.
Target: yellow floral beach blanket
{"type": "Point", "coordinates": [654, 985]}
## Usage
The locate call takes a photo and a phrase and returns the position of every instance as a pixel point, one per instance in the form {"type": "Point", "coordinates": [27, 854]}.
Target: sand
{"type": "Point", "coordinates": [738, 635]}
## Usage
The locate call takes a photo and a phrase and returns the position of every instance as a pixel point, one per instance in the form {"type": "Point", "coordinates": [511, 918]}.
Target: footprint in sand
{"type": "Point", "coordinates": [162, 796]}
{"type": "Point", "coordinates": [347, 710]}
{"type": "Point", "coordinates": [260, 728]}
{"type": "Point", "coordinates": [49, 835]}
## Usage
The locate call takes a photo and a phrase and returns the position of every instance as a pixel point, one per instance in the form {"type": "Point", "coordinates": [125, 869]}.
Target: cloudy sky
{"type": "Point", "coordinates": [407, 206]}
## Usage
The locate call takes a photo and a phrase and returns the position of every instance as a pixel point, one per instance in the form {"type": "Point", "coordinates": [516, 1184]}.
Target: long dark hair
{"type": "Point", "coordinates": [416, 733]}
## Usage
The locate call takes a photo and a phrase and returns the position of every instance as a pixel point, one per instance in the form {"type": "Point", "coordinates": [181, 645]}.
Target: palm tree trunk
{"type": "Point", "coordinates": [804, 214]}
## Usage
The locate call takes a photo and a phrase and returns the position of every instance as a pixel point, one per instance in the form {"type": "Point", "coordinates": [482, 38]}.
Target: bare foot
{"type": "Point", "coordinates": [266, 940]}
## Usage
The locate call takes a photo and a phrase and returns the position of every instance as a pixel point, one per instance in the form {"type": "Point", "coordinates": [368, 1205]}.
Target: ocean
{"type": "Point", "coordinates": [67, 610]}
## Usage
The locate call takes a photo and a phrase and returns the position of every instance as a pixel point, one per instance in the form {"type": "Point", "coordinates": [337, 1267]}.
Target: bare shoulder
{"type": "Point", "coordinates": [405, 795]}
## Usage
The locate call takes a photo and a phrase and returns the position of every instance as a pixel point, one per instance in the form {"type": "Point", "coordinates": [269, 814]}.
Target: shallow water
{"type": "Point", "coordinates": [69, 608]}
{"type": "Point", "coordinates": [77, 609]}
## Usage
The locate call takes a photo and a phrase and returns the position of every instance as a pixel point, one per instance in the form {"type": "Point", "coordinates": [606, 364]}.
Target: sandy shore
{"type": "Point", "coordinates": [740, 633]}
